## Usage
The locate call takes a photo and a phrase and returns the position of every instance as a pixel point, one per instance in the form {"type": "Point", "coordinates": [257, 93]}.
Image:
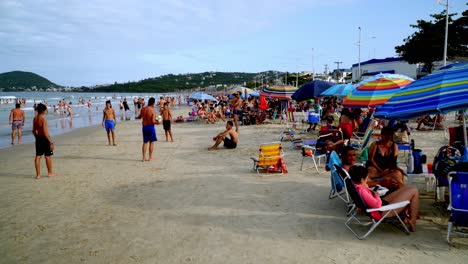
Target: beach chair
{"type": "Point", "coordinates": [270, 158]}
{"type": "Point", "coordinates": [338, 188]}
{"type": "Point", "coordinates": [360, 206]}
{"type": "Point", "coordinates": [458, 206]}
{"type": "Point", "coordinates": [311, 152]}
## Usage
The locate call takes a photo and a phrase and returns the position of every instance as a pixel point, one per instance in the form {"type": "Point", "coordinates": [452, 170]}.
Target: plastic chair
{"type": "Point", "coordinates": [361, 206]}
{"type": "Point", "coordinates": [458, 206]}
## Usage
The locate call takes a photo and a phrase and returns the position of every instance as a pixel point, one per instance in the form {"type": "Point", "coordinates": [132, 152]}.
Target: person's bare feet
{"type": "Point", "coordinates": [38, 177]}
{"type": "Point", "coordinates": [52, 175]}
{"type": "Point", "coordinates": [12, 143]}
{"type": "Point", "coordinates": [211, 148]}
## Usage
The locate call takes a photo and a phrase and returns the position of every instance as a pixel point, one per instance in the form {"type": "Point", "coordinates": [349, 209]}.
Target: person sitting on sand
{"type": "Point", "coordinates": [229, 143]}
{"type": "Point", "coordinates": [109, 122]}
{"type": "Point", "coordinates": [360, 178]}
{"type": "Point", "coordinates": [382, 163]}
{"type": "Point", "coordinates": [429, 122]}
{"type": "Point", "coordinates": [44, 144]}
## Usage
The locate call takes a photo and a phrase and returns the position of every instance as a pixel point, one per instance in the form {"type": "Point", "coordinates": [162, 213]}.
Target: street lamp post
{"type": "Point", "coordinates": [359, 55]}
{"type": "Point", "coordinates": [446, 30]}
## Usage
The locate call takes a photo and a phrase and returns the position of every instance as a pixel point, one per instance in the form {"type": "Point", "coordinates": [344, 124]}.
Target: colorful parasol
{"type": "Point", "coordinates": [338, 90]}
{"type": "Point", "coordinates": [240, 89]}
{"type": "Point", "coordinates": [279, 92]}
{"type": "Point", "coordinates": [376, 90]}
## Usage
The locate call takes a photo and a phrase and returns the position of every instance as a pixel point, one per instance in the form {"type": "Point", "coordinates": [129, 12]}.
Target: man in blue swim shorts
{"type": "Point", "coordinates": [148, 116]}
{"type": "Point", "coordinates": [236, 104]}
{"type": "Point", "coordinates": [109, 121]}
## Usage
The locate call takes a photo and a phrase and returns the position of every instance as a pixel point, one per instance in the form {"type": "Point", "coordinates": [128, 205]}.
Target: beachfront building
{"type": "Point", "coordinates": [388, 65]}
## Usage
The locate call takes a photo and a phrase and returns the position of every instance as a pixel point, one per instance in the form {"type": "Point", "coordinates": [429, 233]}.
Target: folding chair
{"type": "Point", "coordinates": [458, 206]}
{"type": "Point", "coordinates": [338, 188]}
{"type": "Point", "coordinates": [362, 207]}
{"type": "Point", "coordinates": [270, 155]}
{"type": "Point", "coordinates": [311, 152]}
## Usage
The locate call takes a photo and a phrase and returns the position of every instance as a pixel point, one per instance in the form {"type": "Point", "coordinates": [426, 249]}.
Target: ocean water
{"type": "Point", "coordinates": [59, 123]}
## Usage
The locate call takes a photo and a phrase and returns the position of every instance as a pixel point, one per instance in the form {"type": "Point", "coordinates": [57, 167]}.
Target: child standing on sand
{"type": "Point", "coordinates": [44, 144]}
{"type": "Point", "coordinates": [109, 121]}
{"type": "Point", "coordinates": [167, 117]}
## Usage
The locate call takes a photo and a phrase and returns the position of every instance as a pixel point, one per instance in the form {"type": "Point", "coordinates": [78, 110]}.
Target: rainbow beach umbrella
{"type": "Point", "coordinates": [376, 90]}
{"type": "Point", "coordinates": [278, 91]}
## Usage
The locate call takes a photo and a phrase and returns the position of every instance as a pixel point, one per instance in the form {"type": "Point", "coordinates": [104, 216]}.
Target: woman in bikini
{"type": "Point", "coordinates": [382, 163]}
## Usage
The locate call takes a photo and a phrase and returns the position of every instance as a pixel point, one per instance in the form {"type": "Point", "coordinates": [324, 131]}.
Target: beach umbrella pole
{"type": "Point", "coordinates": [464, 131]}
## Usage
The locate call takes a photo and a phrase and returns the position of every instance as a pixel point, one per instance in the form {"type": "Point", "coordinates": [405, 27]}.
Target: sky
{"type": "Point", "coordinates": [76, 42]}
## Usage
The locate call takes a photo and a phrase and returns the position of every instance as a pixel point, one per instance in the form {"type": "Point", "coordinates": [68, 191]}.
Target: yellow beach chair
{"type": "Point", "coordinates": [270, 158]}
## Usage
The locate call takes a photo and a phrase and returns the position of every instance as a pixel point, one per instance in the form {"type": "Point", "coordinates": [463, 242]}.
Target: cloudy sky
{"type": "Point", "coordinates": [76, 42]}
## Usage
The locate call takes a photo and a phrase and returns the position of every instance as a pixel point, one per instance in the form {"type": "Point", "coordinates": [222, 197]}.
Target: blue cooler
{"type": "Point", "coordinates": [314, 117]}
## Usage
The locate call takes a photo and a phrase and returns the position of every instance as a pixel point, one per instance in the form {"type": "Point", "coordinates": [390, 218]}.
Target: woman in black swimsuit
{"type": "Point", "coordinates": [382, 163]}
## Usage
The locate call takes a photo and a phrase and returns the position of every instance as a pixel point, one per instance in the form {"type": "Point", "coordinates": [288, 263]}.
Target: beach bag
{"type": "Point", "coordinates": [401, 137]}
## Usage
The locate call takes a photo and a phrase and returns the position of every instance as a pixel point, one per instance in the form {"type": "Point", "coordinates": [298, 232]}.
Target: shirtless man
{"type": "Point", "coordinates": [237, 106]}
{"type": "Point", "coordinates": [167, 117]}
{"type": "Point", "coordinates": [148, 116]}
{"type": "Point", "coordinates": [44, 144]}
{"type": "Point", "coordinates": [229, 143]}
{"type": "Point", "coordinates": [109, 122]}
{"type": "Point", "coordinates": [16, 120]}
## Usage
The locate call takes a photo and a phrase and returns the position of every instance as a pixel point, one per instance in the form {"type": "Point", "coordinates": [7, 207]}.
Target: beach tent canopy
{"type": "Point", "coordinates": [278, 91]}
{"type": "Point", "coordinates": [311, 89]}
{"type": "Point", "coordinates": [376, 90]}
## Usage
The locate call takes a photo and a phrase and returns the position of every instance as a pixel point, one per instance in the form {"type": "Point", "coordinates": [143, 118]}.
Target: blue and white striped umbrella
{"type": "Point", "coordinates": [440, 92]}
{"type": "Point", "coordinates": [338, 90]}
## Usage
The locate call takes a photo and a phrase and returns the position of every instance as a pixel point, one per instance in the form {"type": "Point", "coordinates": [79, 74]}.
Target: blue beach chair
{"type": "Point", "coordinates": [338, 188]}
{"type": "Point", "coordinates": [458, 190]}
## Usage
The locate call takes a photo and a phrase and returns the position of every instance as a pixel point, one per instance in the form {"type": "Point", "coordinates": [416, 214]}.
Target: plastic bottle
{"type": "Point", "coordinates": [409, 163]}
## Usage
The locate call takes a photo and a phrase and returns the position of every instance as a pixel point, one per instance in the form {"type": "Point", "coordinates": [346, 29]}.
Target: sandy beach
{"type": "Point", "coordinates": [190, 205]}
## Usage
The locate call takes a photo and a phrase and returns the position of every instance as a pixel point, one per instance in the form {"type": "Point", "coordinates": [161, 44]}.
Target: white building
{"type": "Point", "coordinates": [388, 65]}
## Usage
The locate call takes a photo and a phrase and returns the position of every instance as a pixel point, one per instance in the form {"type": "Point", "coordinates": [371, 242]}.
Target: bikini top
{"type": "Point", "coordinates": [385, 162]}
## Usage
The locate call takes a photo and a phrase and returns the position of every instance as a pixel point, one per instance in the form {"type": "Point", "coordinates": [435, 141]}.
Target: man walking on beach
{"type": "Point", "coordinates": [16, 120]}
{"type": "Point", "coordinates": [167, 117]}
{"type": "Point", "coordinates": [229, 142]}
{"type": "Point", "coordinates": [148, 116]}
{"type": "Point", "coordinates": [44, 144]}
{"type": "Point", "coordinates": [109, 121]}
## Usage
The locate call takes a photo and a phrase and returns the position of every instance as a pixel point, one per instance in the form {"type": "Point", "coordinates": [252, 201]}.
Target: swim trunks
{"type": "Point", "coordinates": [229, 144]}
{"type": "Point", "coordinates": [43, 146]}
{"type": "Point", "coordinates": [167, 124]}
{"type": "Point", "coordinates": [17, 124]}
{"type": "Point", "coordinates": [109, 125]}
{"type": "Point", "coordinates": [237, 112]}
{"type": "Point", "coordinates": [149, 133]}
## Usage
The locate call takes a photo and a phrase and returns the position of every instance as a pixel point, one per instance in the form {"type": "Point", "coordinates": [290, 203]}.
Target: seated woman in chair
{"type": "Point", "coordinates": [360, 178]}
{"type": "Point", "coordinates": [382, 163]}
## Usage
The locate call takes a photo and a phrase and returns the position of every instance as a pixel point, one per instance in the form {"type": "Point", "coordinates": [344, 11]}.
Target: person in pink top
{"type": "Point", "coordinates": [372, 199]}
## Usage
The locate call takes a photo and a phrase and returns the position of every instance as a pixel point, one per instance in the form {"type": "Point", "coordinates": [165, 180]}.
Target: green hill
{"type": "Point", "coordinates": [18, 80]}
{"type": "Point", "coordinates": [171, 82]}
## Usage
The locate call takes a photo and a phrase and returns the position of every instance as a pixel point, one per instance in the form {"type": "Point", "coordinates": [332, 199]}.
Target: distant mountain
{"type": "Point", "coordinates": [19, 80]}
{"type": "Point", "coordinates": [171, 82]}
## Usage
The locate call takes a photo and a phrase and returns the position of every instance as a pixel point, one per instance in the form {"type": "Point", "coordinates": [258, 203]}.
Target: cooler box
{"type": "Point", "coordinates": [314, 118]}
